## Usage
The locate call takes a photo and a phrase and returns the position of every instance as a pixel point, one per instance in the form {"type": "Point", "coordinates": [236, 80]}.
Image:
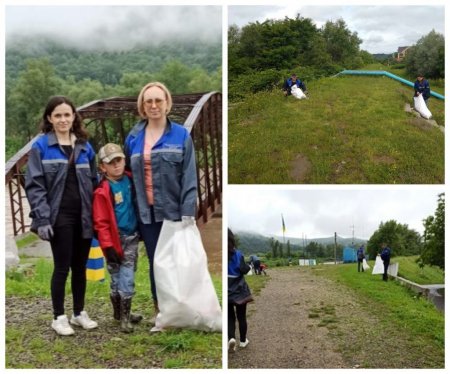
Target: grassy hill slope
{"type": "Point", "coordinates": [351, 130]}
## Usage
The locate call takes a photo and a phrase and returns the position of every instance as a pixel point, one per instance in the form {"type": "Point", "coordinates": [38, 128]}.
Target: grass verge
{"type": "Point", "coordinates": [401, 311]}
{"type": "Point", "coordinates": [351, 130]}
{"type": "Point", "coordinates": [31, 343]}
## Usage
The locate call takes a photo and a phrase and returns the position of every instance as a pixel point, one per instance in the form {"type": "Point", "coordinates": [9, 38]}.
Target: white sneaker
{"type": "Point", "coordinates": [244, 344]}
{"type": "Point", "coordinates": [232, 345]}
{"type": "Point", "coordinates": [61, 326]}
{"type": "Point", "coordinates": [83, 321]}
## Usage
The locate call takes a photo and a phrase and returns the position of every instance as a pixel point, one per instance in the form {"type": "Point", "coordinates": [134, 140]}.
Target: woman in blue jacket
{"type": "Point", "coordinates": [238, 295]}
{"type": "Point", "coordinates": [160, 154]}
{"type": "Point", "coordinates": [59, 183]}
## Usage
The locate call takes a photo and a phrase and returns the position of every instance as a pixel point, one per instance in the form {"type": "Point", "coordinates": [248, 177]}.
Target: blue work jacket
{"type": "Point", "coordinates": [174, 173]}
{"type": "Point", "coordinates": [45, 180]}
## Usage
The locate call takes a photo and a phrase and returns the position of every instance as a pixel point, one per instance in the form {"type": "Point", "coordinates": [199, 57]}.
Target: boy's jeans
{"type": "Point", "coordinates": [122, 276]}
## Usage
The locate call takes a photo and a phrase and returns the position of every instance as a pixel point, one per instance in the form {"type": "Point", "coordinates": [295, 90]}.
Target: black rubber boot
{"type": "Point", "coordinates": [125, 311]}
{"type": "Point", "coordinates": [115, 301]}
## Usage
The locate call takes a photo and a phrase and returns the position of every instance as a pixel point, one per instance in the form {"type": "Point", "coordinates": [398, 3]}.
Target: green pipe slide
{"type": "Point", "coordinates": [386, 74]}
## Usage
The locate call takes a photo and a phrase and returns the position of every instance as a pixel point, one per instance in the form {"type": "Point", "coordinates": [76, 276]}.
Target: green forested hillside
{"type": "Point", "coordinates": [108, 67]}
{"type": "Point", "coordinates": [249, 243]}
{"type": "Point", "coordinates": [37, 69]}
{"type": "Point", "coordinates": [350, 130]}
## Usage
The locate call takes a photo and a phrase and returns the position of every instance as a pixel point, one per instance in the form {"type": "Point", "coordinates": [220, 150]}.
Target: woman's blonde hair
{"type": "Point", "coordinates": [140, 100]}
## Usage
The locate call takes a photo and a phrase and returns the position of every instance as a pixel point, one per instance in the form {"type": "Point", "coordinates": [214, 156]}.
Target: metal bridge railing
{"type": "Point", "coordinates": [110, 120]}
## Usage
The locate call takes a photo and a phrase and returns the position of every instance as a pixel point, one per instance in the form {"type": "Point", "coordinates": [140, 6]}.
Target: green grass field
{"type": "Point", "coordinates": [31, 343]}
{"type": "Point", "coordinates": [399, 307]}
{"type": "Point", "coordinates": [352, 130]}
{"type": "Point", "coordinates": [409, 269]}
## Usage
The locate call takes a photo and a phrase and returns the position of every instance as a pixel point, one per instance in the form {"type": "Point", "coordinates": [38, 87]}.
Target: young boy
{"type": "Point", "coordinates": [115, 222]}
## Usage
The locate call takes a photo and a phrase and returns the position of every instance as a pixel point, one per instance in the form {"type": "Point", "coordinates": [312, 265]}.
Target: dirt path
{"type": "Point", "coordinates": [301, 320]}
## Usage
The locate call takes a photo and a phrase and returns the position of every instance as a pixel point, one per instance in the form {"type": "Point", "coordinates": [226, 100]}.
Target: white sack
{"type": "Point", "coordinates": [378, 267]}
{"type": "Point", "coordinates": [365, 265]}
{"type": "Point", "coordinates": [186, 295]}
{"type": "Point", "coordinates": [421, 107]}
{"type": "Point", "coordinates": [297, 92]}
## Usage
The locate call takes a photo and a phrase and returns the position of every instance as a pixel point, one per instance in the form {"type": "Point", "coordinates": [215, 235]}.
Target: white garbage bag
{"type": "Point", "coordinates": [186, 294]}
{"type": "Point", "coordinates": [421, 107]}
{"type": "Point", "coordinates": [297, 92]}
{"type": "Point", "coordinates": [378, 267]}
{"type": "Point", "coordinates": [365, 265]}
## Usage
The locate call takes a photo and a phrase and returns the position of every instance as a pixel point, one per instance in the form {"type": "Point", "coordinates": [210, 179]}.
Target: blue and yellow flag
{"type": "Point", "coordinates": [95, 267]}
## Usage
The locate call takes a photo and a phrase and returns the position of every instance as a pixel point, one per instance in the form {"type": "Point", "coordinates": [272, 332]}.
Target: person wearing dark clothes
{"type": "Point", "coordinates": [360, 256]}
{"type": "Point", "coordinates": [238, 295]}
{"type": "Point", "coordinates": [293, 80]}
{"type": "Point", "coordinates": [386, 257]}
{"type": "Point", "coordinates": [59, 184]}
{"type": "Point", "coordinates": [422, 87]}
{"type": "Point", "coordinates": [256, 263]}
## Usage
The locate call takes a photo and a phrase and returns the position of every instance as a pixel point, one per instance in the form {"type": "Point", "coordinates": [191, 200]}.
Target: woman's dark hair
{"type": "Point", "coordinates": [77, 126]}
{"type": "Point", "coordinates": [231, 243]}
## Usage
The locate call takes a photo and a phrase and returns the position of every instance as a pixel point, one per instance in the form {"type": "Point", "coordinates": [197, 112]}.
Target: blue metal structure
{"type": "Point", "coordinates": [386, 74]}
{"type": "Point", "coordinates": [349, 255]}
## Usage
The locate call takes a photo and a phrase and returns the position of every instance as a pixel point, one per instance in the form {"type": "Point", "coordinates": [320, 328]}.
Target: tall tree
{"type": "Point", "coordinates": [402, 240]}
{"type": "Point", "coordinates": [427, 56]}
{"type": "Point", "coordinates": [342, 44]}
{"type": "Point", "coordinates": [434, 236]}
{"type": "Point", "coordinates": [35, 85]}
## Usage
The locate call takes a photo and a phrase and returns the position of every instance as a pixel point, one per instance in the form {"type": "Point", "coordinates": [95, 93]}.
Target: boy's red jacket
{"type": "Point", "coordinates": [105, 223]}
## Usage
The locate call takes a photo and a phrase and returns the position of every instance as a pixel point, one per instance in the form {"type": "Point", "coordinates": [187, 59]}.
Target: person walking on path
{"type": "Point", "coordinates": [115, 222]}
{"type": "Point", "coordinates": [238, 295]}
{"type": "Point", "coordinates": [59, 183]}
{"type": "Point", "coordinates": [386, 257]}
{"type": "Point", "coordinates": [360, 256]}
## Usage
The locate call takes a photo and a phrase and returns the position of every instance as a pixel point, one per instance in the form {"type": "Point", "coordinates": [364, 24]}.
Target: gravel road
{"type": "Point", "coordinates": [301, 320]}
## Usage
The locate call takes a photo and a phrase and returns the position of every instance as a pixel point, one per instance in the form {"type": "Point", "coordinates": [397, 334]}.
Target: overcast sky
{"type": "Point", "coordinates": [320, 213]}
{"type": "Point", "coordinates": [382, 28]}
{"type": "Point", "coordinates": [116, 27]}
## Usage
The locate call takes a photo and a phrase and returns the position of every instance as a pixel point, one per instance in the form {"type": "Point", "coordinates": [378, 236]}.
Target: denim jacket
{"type": "Point", "coordinates": [174, 173]}
{"type": "Point", "coordinates": [45, 181]}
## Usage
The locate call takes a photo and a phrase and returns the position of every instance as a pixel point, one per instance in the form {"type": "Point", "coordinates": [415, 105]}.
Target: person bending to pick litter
{"type": "Point", "coordinates": [115, 221]}
{"type": "Point", "coordinates": [293, 81]}
{"type": "Point", "coordinates": [422, 87]}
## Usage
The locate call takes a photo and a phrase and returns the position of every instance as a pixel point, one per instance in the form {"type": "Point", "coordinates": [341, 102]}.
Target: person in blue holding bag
{"type": "Point", "coordinates": [386, 257]}
{"type": "Point", "coordinates": [160, 155]}
{"type": "Point", "coordinates": [293, 81]}
{"type": "Point", "coordinates": [59, 183]}
{"type": "Point", "coordinates": [422, 87]}
{"type": "Point", "coordinates": [360, 257]}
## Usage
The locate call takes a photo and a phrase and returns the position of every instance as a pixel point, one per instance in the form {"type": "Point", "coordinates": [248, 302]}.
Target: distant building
{"type": "Point", "coordinates": [401, 53]}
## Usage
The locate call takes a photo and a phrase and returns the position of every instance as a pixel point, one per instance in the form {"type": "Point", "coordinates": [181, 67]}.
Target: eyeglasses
{"type": "Point", "coordinates": [158, 102]}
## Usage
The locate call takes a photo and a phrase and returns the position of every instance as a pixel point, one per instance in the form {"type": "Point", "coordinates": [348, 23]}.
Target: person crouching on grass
{"type": "Point", "coordinates": [115, 222]}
